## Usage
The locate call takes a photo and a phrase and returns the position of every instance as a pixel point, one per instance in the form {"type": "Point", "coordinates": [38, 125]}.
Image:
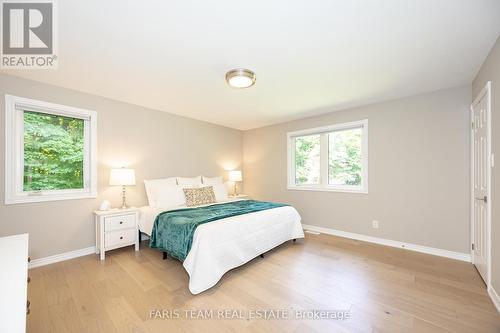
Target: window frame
{"type": "Point", "coordinates": [14, 151]}
{"type": "Point", "coordinates": [324, 161]}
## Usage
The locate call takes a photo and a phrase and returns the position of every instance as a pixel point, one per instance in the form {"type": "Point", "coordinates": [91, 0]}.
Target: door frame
{"type": "Point", "coordinates": [485, 91]}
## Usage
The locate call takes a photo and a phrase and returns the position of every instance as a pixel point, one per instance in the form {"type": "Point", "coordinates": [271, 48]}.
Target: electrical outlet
{"type": "Point", "coordinates": [375, 224]}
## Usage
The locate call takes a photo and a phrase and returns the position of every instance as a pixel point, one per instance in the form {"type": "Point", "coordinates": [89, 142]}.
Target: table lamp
{"type": "Point", "coordinates": [235, 176]}
{"type": "Point", "coordinates": [123, 177]}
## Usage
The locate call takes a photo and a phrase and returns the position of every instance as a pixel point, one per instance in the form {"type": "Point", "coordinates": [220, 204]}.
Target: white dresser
{"type": "Point", "coordinates": [13, 283]}
{"type": "Point", "coordinates": [116, 228]}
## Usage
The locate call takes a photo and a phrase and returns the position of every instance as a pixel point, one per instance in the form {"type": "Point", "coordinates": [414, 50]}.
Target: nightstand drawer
{"type": "Point", "coordinates": [119, 237]}
{"type": "Point", "coordinates": [119, 222]}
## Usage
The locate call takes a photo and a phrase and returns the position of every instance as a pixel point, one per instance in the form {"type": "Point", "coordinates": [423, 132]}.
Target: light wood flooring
{"type": "Point", "coordinates": [385, 289]}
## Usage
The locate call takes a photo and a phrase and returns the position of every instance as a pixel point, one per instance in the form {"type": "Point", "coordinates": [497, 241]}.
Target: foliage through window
{"type": "Point", "coordinates": [345, 162]}
{"type": "Point", "coordinates": [50, 153]}
{"type": "Point", "coordinates": [331, 158]}
{"type": "Point", "coordinates": [307, 159]}
{"type": "Point", "coordinates": [53, 152]}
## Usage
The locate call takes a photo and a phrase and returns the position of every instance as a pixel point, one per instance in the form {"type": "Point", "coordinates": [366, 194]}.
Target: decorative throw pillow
{"type": "Point", "coordinates": [199, 196]}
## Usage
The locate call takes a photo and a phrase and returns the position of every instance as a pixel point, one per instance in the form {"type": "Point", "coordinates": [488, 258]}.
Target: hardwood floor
{"type": "Point", "coordinates": [385, 289]}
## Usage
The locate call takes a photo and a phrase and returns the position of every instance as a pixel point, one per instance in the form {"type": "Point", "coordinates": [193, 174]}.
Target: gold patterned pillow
{"type": "Point", "coordinates": [199, 196]}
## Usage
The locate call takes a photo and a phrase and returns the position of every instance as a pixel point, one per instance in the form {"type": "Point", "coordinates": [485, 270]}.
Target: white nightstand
{"type": "Point", "coordinates": [116, 228]}
{"type": "Point", "coordinates": [239, 196]}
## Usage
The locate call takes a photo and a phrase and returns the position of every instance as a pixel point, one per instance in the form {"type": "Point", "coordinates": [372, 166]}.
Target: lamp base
{"type": "Point", "coordinates": [124, 199]}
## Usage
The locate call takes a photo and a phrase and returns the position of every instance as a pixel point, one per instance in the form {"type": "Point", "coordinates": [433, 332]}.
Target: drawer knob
{"type": "Point", "coordinates": [29, 279]}
{"type": "Point", "coordinates": [29, 259]}
{"type": "Point", "coordinates": [121, 237]}
{"type": "Point", "coordinates": [121, 222]}
{"type": "Point", "coordinates": [28, 303]}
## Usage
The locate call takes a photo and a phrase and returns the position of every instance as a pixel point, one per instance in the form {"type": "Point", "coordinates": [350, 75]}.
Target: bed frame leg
{"type": "Point", "coordinates": [294, 240]}
{"type": "Point", "coordinates": [164, 255]}
{"type": "Point", "coordinates": [262, 255]}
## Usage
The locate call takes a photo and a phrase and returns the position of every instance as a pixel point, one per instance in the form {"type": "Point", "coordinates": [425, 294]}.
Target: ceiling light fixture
{"type": "Point", "coordinates": [240, 78]}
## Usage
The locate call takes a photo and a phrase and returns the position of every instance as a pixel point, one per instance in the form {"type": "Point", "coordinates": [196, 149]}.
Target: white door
{"type": "Point", "coordinates": [480, 182]}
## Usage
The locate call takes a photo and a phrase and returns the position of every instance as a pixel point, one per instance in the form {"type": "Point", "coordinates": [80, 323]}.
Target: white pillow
{"type": "Point", "coordinates": [220, 191]}
{"type": "Point", "coordinates": [189, 182]}
{"type": "Point", "coordinates": [212, 180]}
{"type": "Point", "coordinates": [154, 185]}
{"type": "Point", "coordinates": [170, 196]}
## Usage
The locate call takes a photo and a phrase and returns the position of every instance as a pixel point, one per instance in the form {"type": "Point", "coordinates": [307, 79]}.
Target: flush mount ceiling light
{"type": "Point", "coordinates": [240, 78]}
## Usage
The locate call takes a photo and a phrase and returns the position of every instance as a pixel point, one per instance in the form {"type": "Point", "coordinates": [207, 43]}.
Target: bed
{"type": "Point", "coordinates": [223, 244]}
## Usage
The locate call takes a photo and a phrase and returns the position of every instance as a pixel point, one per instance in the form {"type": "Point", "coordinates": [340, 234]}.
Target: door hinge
{"type": "Point", "coordinates": [472, 246]}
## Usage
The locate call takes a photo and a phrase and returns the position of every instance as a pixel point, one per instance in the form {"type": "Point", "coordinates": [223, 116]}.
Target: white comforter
{"type": "Point", "coordinates": [222, 245]}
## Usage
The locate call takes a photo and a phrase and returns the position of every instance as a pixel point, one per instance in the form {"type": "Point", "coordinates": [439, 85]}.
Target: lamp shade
{"type": "Point", "coordinates": [122, 177]}
{"type": "Point", "coordinates": [235, 176]}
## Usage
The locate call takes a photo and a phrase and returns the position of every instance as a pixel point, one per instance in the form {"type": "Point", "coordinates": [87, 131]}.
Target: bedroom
{"type": "Point", "coordinates": [358, 136]}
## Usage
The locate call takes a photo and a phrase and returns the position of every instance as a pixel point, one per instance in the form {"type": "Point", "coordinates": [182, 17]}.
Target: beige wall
{"type": "Point", "coordinates": [417, 190]}
{"type": "Point", "coordinates": [156, 144]}
{"type": "Point", "coordinates": [490, 71]}
{"type": "Point", "coordinates": [418, 171]}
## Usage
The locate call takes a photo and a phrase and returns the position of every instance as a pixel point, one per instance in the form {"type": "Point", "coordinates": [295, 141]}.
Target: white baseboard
{"type": "Point", "coordinates": [392, 243]}
{"type": "Point", "coordinates": [408, 246]}
{"type": "Point", "coordinates": [61, 257]}
{"type": "Point", "coordinates": [494, 297]}
{"type": "Point", "coordinates": [67, 255]}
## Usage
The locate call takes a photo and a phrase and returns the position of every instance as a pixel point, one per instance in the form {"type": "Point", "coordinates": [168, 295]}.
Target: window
{"type": "Point", "coordinates": [50, 151]}
{"type": "Point", "coordinates": [307, 160]}
{"type": "Point", "coordinates": [331, 158]}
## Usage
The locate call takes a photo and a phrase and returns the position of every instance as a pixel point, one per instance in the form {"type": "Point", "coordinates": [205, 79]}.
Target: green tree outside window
{"type": "Point", "coordinates": [307, 159]}
{"type": "Point", "coordinates": [53, 152]}
{"type": "Point", "coordinates": [344, 157]}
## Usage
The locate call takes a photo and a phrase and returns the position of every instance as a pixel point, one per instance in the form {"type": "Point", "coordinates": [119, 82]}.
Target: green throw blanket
{"type": "Point", "coordinates": [173, 230]}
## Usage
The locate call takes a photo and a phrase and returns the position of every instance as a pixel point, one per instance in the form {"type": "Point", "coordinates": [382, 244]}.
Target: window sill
{"type": "Point", "coordinates": [328, 189]}
{"type": "Point", "coordinates": [48, 197]}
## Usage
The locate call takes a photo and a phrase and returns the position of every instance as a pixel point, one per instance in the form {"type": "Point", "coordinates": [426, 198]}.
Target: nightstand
{"type": "Point", "coordinates": [239, 196]}
{"type": "Point", "coordinates": [116, 228]}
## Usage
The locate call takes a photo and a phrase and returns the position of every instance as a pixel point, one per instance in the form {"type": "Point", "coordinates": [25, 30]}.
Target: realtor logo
{"type": "Point", "coordinates": [28, 34]}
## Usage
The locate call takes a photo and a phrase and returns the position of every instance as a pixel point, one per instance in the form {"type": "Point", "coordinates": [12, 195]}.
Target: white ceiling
{"type": "Point", "coordinates": [309, 56]}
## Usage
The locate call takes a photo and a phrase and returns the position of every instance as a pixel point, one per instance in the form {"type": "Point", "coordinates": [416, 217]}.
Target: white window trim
{"type": "Point", "coordinates": [324, 186]}
{"type": "Point", "coordinates": [14, 150]}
